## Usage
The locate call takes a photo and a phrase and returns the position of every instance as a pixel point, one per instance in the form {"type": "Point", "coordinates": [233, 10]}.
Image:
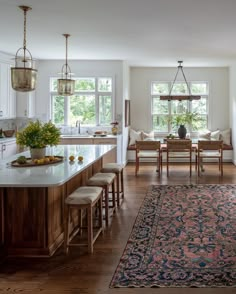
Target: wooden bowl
{"type": "Point", "coordinates": [8, 133]}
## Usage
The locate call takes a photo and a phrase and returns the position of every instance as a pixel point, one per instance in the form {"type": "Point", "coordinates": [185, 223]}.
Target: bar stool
{"type": "Point", "coordinates": [105, 180]}
{"type": "Point", "coordinates": [83, 198]}
{"type": "Point", "coordinates": [118, 170]}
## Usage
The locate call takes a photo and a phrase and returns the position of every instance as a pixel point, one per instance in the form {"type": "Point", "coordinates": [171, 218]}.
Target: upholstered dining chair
{"type": "Point", "coordinates": [210, 150]}
{"type": "Point", "coordinates": [176, 148]}
{"type": "Point", "coordinates": [148, 149]}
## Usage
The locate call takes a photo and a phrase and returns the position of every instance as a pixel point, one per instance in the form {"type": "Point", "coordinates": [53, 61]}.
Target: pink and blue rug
{"type": "Point", "coordinates": [184, 236]}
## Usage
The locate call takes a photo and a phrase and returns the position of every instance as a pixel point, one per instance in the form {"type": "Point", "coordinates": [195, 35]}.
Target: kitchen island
{"type": "Point", "coordinates": [32, 198]}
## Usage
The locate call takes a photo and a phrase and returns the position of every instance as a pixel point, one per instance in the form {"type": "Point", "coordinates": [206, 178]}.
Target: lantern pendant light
{"type": "Point", "coordinates": [65, 85]}
{"type": "Point", "coordinates": [24, 75]}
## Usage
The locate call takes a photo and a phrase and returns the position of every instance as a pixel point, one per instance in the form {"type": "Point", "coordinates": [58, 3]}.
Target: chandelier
{"type": "Point", "coordinates": [24, 75]}
{"type": "Point", "coordinates": [180, 97]}
{"type": "Point", "coordinates": [65, 85]}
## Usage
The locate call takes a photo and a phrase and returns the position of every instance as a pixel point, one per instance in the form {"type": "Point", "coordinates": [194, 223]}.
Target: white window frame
{"type": "Point", "coordinates": [96, 93]}
{"type": "Point", "coordinates": [207, 95]}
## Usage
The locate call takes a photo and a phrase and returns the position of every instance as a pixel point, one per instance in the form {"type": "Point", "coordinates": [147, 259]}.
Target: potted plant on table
{"type": "Point", "coordinates": [185, 119]}
{"type": "Point", "coordinates": [37, 136]}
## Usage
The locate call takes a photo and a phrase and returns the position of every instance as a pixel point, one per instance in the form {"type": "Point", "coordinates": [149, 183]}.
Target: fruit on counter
{"type": "Point", "coordinates": [80, 158]}
{"type": "Point", "coordinates": [21, 160]}
{"type": "Point", "coordinates": [39, 161]}
{"type": "Point", "coordinates": [72, 158]}
{"type": "Point", "coordinates": [51, 158]}
{"type": "Point", "coordinates": [42, 160]}
{"type": "Point", "coordinates": [46, 160]}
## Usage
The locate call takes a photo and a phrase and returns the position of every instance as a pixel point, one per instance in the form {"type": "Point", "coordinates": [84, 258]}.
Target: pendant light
{"type": "Point", "coordinates": [180, 97]}
{"type": "Point", "coordinates": [24, 75]}
{"type": "Point", "coordinates": [65, 85]}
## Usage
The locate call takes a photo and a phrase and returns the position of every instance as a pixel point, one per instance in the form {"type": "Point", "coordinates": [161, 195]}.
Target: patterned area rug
{"type": "Point", "coordinates": [184, 236]}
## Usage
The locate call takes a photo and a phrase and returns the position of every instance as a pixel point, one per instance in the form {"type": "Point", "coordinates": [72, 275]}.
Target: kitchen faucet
{"type": "Point", "coordinates": [78, 125]}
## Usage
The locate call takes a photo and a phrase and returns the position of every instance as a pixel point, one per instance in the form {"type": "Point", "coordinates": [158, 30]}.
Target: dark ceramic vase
{"type": "Point", "coordinates": [182, 131]}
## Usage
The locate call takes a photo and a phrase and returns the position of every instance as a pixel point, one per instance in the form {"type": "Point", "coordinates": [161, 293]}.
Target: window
{"type": "Point", "coordinates": [92, 102]}
{"type": "Point", "coordinates": [164, 111]}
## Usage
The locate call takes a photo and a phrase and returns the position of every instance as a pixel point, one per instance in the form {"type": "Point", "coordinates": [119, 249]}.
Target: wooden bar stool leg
{"type": "Point", "coordinates": [118, 189]}
{"type": "Point", "coordinates": [100, 212]}
{"type": "Point", "coordinates": [122, 182]}
{"type": "Point", "coordinates": [90, 228]}
{"type": "Point", "coordinates": [113, 196]}
{"type": "Point", "coordinates": [106, 200]}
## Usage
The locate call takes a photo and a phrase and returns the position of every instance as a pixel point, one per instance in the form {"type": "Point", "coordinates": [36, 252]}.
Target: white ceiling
{"type": "Point", "coordinates": [142, 32]}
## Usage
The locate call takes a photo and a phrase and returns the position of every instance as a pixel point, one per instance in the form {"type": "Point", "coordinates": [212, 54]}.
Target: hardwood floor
{"type": "Point", "coordinates": [80, 273]}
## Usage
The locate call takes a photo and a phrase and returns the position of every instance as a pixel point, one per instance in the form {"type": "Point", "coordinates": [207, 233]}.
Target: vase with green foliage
{"type": "Point", "coordinates": [184, 120]}
{"type": "Point", "coordinates": [38, 135]}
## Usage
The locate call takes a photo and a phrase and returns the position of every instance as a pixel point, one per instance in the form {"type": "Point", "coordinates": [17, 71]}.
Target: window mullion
{"type": "Point", "coordinates": [66, 110]}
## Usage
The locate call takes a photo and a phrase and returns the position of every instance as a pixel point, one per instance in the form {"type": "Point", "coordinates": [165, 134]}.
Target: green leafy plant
{"type": "Point", "coordinates": [188, 118]}
{"type": "Point", "coordinates": [38, 135]}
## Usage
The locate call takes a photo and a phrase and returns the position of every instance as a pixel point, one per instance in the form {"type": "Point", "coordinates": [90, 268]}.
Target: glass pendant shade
{"type": "Point", "coordinates": [65, 85]}
{"type": "Point", "coordinates": [23, 79]}
{"type": "Point", "coordinates": [24, 75]}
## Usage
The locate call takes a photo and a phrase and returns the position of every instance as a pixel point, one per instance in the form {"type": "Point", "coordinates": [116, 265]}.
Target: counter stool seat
{"type": "Point", "coordinates": [118, 170]}
{"type": "Point", "coordinates": [105, 180]}
{"type": "Point", "coordinates": [84, 198]}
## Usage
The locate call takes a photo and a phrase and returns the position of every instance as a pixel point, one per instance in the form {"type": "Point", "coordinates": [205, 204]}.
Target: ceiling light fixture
{"type": "Point", "coordinates": [65, 85]}
{"type": "Point", "coordinates": [24, 75]}
{"type": "Point", "coordinates": [180, 97]}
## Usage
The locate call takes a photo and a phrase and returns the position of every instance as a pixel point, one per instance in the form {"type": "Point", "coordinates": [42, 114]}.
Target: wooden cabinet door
{"type": "Point", "coordinates": [104, 141]}
{"type": "Point", "coordinates": [65, 141]}
{"type": "Point", "coordinates": [81, 141]}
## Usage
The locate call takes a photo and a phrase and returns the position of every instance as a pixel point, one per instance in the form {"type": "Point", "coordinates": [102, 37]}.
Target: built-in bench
{"type": "Point", "coordinates": [227, 155]}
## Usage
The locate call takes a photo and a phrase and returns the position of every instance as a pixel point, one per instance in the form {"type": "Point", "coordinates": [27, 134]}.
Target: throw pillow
{"type": "Point", "coordinates": [225, 136]}
{"type": "Point", "coordinates": [134, 136]}
{"type": "Point", "coordinates": [215, 135]}
{"type": "Point", "coordinates": [205, 135]}
{"type": "Point", "coordinates": [145, 136]}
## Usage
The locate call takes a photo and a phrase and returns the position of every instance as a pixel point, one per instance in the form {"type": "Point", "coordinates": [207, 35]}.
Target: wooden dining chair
{"type": "Point", "coordinates": [176, 148]}
{"type": "Point", "coordinates": [148, 149]}
{"type": "Point", "coordinates": [210, 150]}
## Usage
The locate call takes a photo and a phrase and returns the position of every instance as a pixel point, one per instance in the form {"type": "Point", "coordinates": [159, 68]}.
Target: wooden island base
{"type": "Point", "coordinates": [31, 219]}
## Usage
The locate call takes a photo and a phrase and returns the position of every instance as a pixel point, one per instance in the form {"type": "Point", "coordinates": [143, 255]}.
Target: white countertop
{"type": "Point", "coordinates": [53, 174]}
{"type": "Point", "coordinates": [9, 139]}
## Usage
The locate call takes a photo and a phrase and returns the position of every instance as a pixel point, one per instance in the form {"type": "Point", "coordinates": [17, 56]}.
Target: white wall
{"type": "Point", "coordinates": [48, 68]}
{"type": "Point", "coordinates": [233, 107]}
{"type": "Point", "coordinates": [126, 96]}
{"type": "Point", "coordinates": [140, 85]}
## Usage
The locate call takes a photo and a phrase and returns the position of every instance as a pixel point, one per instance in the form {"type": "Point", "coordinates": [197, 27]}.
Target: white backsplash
{"type": "Point", "coordinates": [19, 124]}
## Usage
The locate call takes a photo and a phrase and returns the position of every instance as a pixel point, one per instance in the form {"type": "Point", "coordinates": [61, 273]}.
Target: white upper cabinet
{"type": "Point", "coordinates": [25, 104]}
{"type": "Point", "coordinates": [7, 94]}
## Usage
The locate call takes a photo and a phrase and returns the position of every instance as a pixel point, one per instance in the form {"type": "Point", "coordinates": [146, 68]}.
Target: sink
{"type": "Point", "coordinates": [75, 136]}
